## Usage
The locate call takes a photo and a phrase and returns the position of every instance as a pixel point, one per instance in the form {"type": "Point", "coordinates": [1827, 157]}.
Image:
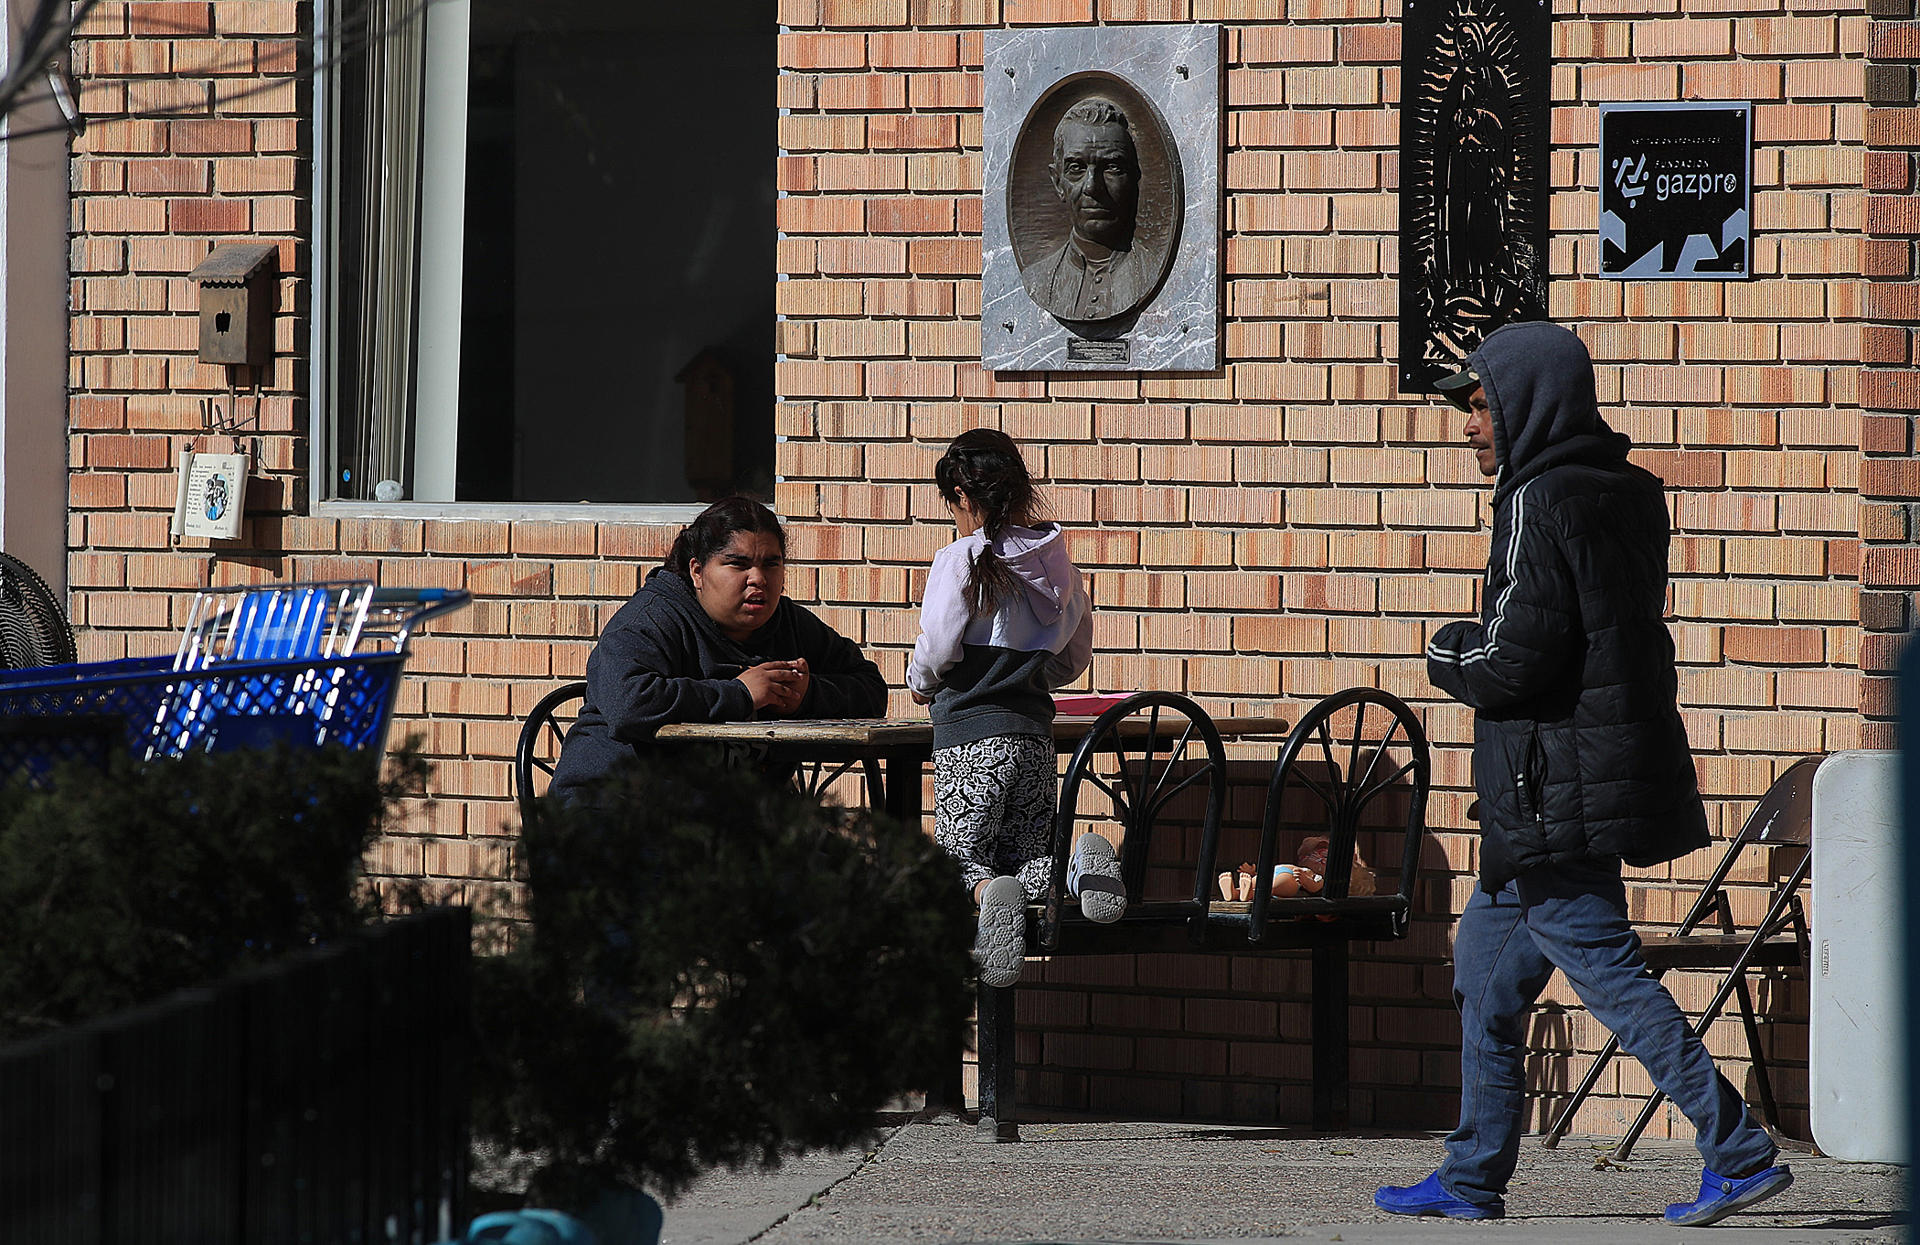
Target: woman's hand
{"type": "Point", "coordinates": [777, 685]}
{"type": "Point", "coordinates": [800, 686]}
{"type": "Point", "coordinates": [918, 699]}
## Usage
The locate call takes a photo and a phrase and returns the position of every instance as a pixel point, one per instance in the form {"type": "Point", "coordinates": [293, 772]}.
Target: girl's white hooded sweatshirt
{"type": "Point", "coordinates": [994, 674]}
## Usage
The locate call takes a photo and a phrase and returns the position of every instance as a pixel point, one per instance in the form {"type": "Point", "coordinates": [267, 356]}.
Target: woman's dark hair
{"type": "Point", "coordinates": [985, 464]}
{"type": "Point", "coordinates": [714, 530]}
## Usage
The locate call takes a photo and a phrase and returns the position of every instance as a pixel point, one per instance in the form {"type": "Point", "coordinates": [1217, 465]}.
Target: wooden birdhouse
{"type": "Point", "coordinates": [236, 283]}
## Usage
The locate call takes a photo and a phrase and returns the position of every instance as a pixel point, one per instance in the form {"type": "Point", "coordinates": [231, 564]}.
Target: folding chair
{"type": "Point", "coordinates": [1783, 817]}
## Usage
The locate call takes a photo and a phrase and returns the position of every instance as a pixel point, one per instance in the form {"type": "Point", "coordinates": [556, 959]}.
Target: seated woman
{"type": "Point", "coordinates": [708, 638]}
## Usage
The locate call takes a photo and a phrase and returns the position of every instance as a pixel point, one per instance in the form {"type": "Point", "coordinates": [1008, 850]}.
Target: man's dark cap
{"type": "Point", "coordinates": [1458, 387]}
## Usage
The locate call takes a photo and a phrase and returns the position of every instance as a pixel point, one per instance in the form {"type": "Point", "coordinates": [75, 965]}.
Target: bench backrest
{"type": "Point", "coordinates": [1352, 756]}
{"type": "Point", "coordinates": [1135, 762]}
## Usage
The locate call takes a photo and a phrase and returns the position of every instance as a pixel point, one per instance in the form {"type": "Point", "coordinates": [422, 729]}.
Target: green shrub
{"type": "Point", "coordinates": [720, 971]}
{"type": "Point", "coordinates": [120, 887]}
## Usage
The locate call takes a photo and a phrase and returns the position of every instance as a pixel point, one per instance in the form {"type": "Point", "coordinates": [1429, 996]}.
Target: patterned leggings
{"type": "Point", "coordinates": [993, 803]}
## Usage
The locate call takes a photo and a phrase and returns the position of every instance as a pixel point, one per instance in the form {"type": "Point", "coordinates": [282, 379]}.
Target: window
{"type": "Point", "coordinates": [546, 250]}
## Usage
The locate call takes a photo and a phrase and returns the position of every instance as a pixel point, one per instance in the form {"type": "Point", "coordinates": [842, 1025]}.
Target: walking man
{"type": "Point", "coordinates": [1580, 762]}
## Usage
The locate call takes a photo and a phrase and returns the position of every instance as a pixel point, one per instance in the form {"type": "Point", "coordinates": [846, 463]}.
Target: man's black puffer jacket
{"type": "Point", "coordinates": [1579, 751]}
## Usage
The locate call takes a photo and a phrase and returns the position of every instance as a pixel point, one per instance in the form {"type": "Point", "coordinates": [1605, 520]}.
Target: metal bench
{"type": "Point", "coordinates": [1348, 753]}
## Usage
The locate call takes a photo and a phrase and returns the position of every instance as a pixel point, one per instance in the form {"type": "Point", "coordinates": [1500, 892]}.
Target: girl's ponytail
{"type": "Point", "coordinates": [985, 465]}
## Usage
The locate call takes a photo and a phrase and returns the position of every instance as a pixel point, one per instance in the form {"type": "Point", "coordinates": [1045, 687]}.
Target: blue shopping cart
{"type": "Point", "coordinates": [301, 664]}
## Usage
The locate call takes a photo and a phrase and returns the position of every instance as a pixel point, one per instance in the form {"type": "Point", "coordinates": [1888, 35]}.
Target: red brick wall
{"type": "Point", "coordinates": [1256, 537]}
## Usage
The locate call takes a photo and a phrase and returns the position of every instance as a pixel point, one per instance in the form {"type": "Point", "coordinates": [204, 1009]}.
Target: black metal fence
{"type": "Point", "coordinates": [321, 1100]}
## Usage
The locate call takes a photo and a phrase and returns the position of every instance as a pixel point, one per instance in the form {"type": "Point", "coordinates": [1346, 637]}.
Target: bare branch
{"type": "Point", "coordinates": [351, 38]}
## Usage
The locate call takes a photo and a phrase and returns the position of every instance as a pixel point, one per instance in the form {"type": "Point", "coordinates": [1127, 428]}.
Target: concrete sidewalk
{"type": "Point", "coordinates": [1153, 1182]}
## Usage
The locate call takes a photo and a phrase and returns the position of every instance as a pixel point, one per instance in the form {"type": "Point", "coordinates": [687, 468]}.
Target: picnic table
{"type": "Point", "coordinates": [893, 752]}
{"type": "Point", "coordinates": [1355, 765]}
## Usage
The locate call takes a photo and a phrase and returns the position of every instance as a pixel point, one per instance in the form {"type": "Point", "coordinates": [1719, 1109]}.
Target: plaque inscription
{"type": "Point", "coordinates": [1088, 350]}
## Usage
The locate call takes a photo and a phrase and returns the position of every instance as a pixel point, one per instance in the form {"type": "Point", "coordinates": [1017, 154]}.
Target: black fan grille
{"type": "Point", "coordinates": [33, 628]}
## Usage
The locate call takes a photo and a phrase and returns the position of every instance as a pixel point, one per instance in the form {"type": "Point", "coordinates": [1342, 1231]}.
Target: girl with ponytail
{"type": "Point", "coordinates": [1005, 620]}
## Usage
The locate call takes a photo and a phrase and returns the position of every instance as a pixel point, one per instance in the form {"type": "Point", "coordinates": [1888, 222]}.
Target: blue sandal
{"type": "Point", "coordinates": [1720, 1196]}
{"type": "Point", "coordinates": [1428, 1198]}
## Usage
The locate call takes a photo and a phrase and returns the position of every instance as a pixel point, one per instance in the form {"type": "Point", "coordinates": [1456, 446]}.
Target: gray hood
{"type": "Point", "coordinates": [1038, 555]}
{"type": "Point", "coordinates": [1538, 379]}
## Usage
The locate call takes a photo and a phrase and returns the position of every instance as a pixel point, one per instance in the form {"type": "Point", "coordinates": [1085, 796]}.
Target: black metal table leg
{"type": "Point", "coordinates": [996, 1007]}
{"type": "Point", "coordinates": [901, 798]}
{"type": "Point", "coordinates": [1330, 1036]}
{"type": "Point", "coordinates": [905, 770]}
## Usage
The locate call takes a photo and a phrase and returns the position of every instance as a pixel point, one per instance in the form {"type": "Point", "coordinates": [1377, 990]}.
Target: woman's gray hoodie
{"type": "Point", "coordinates": [994, 674]}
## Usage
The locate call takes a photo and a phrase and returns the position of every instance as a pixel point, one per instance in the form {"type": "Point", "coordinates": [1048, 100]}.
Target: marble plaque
{"type": "Point", "coordinates": [1102, 200]}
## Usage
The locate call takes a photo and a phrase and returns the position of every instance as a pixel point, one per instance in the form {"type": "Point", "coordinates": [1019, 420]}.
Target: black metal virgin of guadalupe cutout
{"type": "Point", "coordinates": [1474, 180]}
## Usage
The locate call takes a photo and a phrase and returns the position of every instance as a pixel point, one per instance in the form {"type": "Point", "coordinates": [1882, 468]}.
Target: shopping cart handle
{"type": "Point", "coordinates": [416, 605]}
{"type": "Point", "coordinates": [420, 596]}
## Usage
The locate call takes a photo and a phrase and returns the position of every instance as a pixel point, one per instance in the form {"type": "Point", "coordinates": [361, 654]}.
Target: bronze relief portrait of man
{"type": "Point", "coordinates": [1093, 203]}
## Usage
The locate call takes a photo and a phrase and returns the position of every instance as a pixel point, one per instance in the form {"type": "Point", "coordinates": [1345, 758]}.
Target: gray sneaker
{"type": "Point", "coordinates": [1000, 945]}
{"type": "Point", "coordinates": [1094, 875]}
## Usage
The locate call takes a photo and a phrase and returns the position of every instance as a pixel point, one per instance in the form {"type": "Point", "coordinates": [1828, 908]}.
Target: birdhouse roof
{"type": "Point", "coordinates": [234, 263]}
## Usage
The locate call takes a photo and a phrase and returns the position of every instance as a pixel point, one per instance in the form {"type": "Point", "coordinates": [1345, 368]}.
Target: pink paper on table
{"type": "Point", "coordinates": [1088, 706]}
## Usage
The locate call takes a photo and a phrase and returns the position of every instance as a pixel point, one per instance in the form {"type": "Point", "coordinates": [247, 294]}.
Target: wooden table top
{"type": "Point", "coordinates": [918, 732]}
